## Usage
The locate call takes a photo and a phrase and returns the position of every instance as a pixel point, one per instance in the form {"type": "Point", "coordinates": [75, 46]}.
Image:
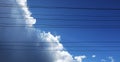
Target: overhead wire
{"type": "Point", "coordinates": [82, 15]}
{"type": "Point", "coordinates": [92, 50]}
{"type": "Point", "coordinates": [64, 26]}
{"type": "Point", "coordinates": [55, 7]}
{"type": "Point", "coordinates": [59, 26]}
{"type": "Point", "coordinates": [62, 19]}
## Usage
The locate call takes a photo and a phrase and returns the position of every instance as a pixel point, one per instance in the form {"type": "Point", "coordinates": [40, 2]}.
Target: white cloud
{"type": "Point", "coordinates": [59, 54]}
{"type": "Point", "coordinates": [93, 56]}
{"type": "Point", "coordinates": [25, 13]}
{"type": "Point", "coordinates": [103, 60]}
{"type": "Point", "coordinates": [111, 58]}
{"type": "Point", "coordinates": [57, 48]}
{"type": "Point", "coordinates": [51, 51]}
{"type": "Point", "coordinates": [79, 58]}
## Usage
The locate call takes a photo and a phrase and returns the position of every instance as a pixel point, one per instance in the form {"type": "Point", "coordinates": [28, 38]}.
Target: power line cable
{"type": "Point", "coordinates": [67, 41]}
{"type": "Point", "coordinates": [88, 46]}
{"type": "Point", "coordinates": [55, 7]}
{"type": "Point", "coordinates": [61, 19]}
{"type": "Point", "coordinates": [82, 15]}
{"type": "Point", "coordinates": [66, 26]}
{"type": "Point", "coordinates": [92, 50]}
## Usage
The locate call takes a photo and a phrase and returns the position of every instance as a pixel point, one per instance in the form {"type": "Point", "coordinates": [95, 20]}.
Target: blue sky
{"type": "Point", "coordinates": [89, 36]}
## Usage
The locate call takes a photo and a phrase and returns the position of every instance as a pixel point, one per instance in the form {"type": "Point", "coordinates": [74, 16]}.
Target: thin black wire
{"type": "Point", "coordinates": [79, 44]}
{"type": "Point", "coordinates": [66, 41]}
{"type": "Point", "coordinates": [59, 19]}
{"type": "Point", "coordinates": [70, 19]}
{"type": "Point", "coordinates": [92, 50]}
{"type": "Point", "coordinates": [48, 7]}
{"type": "Point", "coordinates": [74, 8]}
{"type": "Point", "coordinates": [65, 15]}
{"type": "Point", "coordinates": [6, 45]}
{"type": "Point", "coordinates": [1, 27]}
{"type": "Point", "coordinates": [32, 49]}
{"type": "Point", "coordinates": [62, 26]}
{"type": "Point", "coordinates": [31, 6]}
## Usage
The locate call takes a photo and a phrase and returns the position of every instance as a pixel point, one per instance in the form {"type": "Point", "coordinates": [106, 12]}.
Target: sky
{"type": "Point", "coordinates": [80, 30]}
{"type": "Point", "coordinates": [90, 36]}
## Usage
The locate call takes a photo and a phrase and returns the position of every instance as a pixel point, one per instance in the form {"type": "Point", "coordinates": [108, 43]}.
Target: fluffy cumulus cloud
{"type": "Point", "coordinates": [80, 58]}
{"type": "Point", "coordinates": [110, 59]}
{"type": "Point", "coordinates": [24, 42]}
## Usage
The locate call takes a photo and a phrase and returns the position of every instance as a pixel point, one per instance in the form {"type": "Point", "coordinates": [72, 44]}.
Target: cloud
{"type": "Point", "coordinates": [93, 56]}
{"type": "Point", "coordinates": [56, 48]}
{"type": "Point", "coordinates": [37, 45]}
{"type": "Point", "coordinates": [80, 58]}
{"type": "Point", "coordinates": [25, 12]}
{"type": "Point", "coordinates": [103, 60]}
{"type": "Point", "coordinates": [44, 47]}
{"type": "Point", "coordinates": [111, 58]}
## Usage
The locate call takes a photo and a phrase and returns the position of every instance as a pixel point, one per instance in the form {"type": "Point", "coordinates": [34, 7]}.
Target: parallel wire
{"type": "Point", "coordinates": [67, 25]}
{"type": "Point", "coordinates": [59, 25]}
{"type": "Point", "coordinates": [82, 15]}
{"type": "Point", "coordinates": [62, 26]}
{"type": "Point", "coordinates": [79, 44]}
{"type": "Point", "coordinates": [59, 19]}
{"type": "Point", "coordinates": [6, 45]}
{"type": "Point", "coordinates": [12, 5]}
{"type": "Point", "coordinates": [55, 7]}
{"type": "Point", "coordinates": [68, 41]}
{"type": "Point", "coordinates": [93, 50]}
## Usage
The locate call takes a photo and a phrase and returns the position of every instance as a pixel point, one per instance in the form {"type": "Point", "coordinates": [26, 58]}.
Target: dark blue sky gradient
{"type": "Point", "coordinates": [106, 34]}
